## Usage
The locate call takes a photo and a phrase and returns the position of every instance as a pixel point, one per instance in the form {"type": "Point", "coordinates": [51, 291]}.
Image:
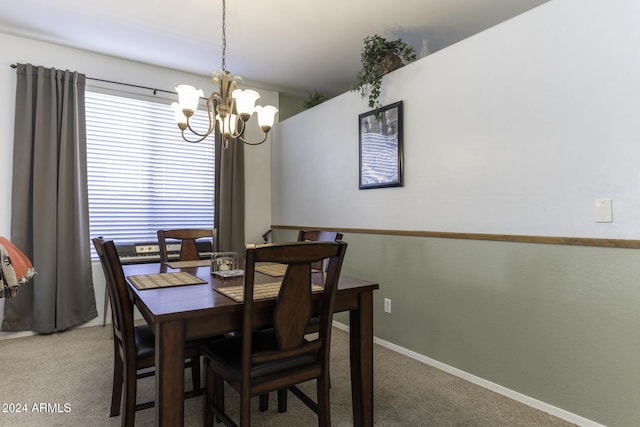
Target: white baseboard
{"type": "Point", "coordinates": [511, 394]}
{"type": "Point", "coordinates": [10, 335]}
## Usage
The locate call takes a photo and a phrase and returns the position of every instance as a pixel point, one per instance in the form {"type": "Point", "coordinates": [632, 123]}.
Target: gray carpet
{"type": "Point", "coordinates": [70, 373]}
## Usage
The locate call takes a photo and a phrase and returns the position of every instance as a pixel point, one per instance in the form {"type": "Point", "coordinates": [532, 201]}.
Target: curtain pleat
{"type": "Point", "coordinates": [49, 204]}
{"type": "Point", "coordinates": [229, 200]}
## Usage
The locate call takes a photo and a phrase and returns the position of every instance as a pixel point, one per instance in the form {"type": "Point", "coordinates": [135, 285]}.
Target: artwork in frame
{"type": "Point", "coordinates": [381, 147]}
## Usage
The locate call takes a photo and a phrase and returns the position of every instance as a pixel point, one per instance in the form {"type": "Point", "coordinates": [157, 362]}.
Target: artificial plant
{"type": "Point", "coordinates": [380, 56]}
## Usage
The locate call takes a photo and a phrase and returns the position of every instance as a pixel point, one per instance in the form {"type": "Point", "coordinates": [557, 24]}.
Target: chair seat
{"type": "Point", "coordinates": [227, 352]}
{"type": "Point", "coordinates": [146, 341]}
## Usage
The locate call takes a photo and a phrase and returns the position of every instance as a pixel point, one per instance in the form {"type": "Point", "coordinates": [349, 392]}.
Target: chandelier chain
{"type": "Point", "coordinates": [224, 36]}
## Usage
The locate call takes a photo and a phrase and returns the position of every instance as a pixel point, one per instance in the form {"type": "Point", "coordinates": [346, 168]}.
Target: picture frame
{"type": "Point", "coordinates": [381, 157]}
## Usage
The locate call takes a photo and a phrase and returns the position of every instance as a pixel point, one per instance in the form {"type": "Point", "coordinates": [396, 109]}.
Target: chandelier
{"type": "Point", "coordinates": [229, 108]}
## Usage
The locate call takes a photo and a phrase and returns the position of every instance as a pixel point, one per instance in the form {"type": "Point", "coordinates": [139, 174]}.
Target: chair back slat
{"type": "Point", "coordinates": [187, 238]}
{"type": "Point", "coordinates": [293, 307]}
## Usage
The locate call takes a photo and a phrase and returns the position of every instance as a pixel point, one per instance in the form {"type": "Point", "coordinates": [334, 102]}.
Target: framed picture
{"type": "Point", "coordinates": [381, 147]}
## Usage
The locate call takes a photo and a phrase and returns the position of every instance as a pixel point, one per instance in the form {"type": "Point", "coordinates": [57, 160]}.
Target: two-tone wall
{"type": "Point", "coordinates": [513, 133]}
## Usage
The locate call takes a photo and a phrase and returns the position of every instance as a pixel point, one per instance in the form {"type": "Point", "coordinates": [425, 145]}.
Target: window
{"type": "Point", "coordinates": [141, 175]}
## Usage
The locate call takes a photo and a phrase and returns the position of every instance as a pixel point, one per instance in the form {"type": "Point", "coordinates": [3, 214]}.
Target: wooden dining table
{"type": "Point", "coordinates": [187, 312]}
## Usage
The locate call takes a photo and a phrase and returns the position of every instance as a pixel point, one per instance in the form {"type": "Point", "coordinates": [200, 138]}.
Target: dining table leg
{"type": "Point", "coordinates": [361, 357]}
{"type": "Point", "coordinates": [169, 407]}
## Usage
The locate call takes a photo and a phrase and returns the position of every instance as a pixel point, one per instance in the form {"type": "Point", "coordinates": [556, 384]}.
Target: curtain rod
{"type": "Point", "coordinates": [155, 91]}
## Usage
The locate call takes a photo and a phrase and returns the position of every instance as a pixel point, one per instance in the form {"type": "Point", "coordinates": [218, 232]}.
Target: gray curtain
{"type": "Point", "coordinates": [229, 203]}
{"type": "Point", "coordinates": [49, 203]}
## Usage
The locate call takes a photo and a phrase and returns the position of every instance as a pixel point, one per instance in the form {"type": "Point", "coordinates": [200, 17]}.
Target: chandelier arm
{"type": "Point", "coordinates": [212, 124]}
{"type": "Point", "coordinates": [203, 135]}
{"type": "Point", "coordinates": [193, 141]}
{"type": "Point", "coordinates": [240, 125]}
{"type": "Point", "coordinates": [253, 142]}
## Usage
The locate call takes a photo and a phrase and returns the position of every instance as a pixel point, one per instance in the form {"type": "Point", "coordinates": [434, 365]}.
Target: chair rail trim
{"type": "Point", "coordinates": [551, 240]}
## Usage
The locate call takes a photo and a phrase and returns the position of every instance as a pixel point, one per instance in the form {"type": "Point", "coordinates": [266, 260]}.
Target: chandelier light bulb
{"type": "Point", "coordinates": [179, 116]}
{"type": "Point", "coordinates": [188, 98]}
{"type": "Point", "coordinates": [227, 125]}
{"type": "Point", "coordinates": [245, 102]}
{"type": "Point", "coordinates": [266, 116]}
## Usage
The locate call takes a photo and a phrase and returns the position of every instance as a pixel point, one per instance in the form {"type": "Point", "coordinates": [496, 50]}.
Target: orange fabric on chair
{"type": "Point", "coordinates": [15, 268]}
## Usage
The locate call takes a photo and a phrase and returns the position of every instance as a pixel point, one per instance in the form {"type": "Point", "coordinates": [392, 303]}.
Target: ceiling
{"type": "Point", "coordinates": [292, 46]}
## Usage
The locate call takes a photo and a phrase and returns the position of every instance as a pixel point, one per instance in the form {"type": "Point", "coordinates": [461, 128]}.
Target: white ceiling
{"type": "Point", "coordinates": [294, 46]}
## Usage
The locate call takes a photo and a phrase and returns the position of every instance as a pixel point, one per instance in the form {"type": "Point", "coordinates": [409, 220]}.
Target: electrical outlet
{"type": "Point", "coordinates": [387, 305]}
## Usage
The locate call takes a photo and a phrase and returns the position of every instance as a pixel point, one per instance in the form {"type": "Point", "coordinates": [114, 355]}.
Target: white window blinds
{"type": "Point", "coordinates": [141, 175]}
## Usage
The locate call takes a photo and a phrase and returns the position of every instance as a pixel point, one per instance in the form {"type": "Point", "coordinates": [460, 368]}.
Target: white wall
{"type": "Point", "coordinates": [22, 50]}
{"type": "Point", "coordinates": [517, 130]}
{"type": "Point", "coordinates": [257, 172]}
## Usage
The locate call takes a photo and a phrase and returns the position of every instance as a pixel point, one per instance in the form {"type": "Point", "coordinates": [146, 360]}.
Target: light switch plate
{"type": "Point", "coordinates": [604, 211]}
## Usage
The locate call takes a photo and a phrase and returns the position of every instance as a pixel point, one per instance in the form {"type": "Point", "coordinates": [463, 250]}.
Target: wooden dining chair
{"type": "Point", "coordinates": [314, 322]}
{"type": "Point", "coordinates": [318, 236]}
{"type": "Point", "coordinates": [262, 360]}
{"type": "Point", "coordinates": [187, 238]}
{"type": "Point", "coordinates": [134, 346]}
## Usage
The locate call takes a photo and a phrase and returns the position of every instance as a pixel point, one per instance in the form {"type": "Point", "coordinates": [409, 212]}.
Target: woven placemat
{"type": "Point", "coordinates": [260, 291]}
{"type": "Point", "coordinates": [164, 280]}
{"type": "Point", "coordinates": [183, 264]}
{"type": "Point", "coordinates": [275, 270]}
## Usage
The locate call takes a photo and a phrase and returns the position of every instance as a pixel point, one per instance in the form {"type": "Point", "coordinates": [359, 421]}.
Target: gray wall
{"type": "Point", "coordinates": [556, 323]}
{"type": "Point", "coordinates": [517, 130]}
